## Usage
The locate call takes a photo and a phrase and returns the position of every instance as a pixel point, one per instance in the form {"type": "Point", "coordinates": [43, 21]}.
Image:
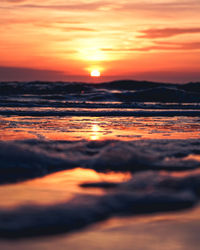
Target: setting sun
{"type": "Point", "coordinates": [95, 73]}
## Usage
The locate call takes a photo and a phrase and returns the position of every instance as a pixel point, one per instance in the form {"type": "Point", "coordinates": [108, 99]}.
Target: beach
{"type": "Point", "coordinates": [99, 166]}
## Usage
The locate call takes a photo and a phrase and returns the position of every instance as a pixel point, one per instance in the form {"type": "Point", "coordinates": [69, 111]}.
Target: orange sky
{"type": "Point", "coordinates": [59, 39]}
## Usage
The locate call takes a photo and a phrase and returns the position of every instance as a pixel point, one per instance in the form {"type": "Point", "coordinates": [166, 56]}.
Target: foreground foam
{"type": "Point", "coordinates": [146, 192]}
{"type": "Point", "coordinates": [30, 221]}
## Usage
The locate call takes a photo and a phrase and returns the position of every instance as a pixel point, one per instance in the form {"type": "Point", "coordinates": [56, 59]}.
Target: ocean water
{"type": "Point", "coordinates": [75, 154]}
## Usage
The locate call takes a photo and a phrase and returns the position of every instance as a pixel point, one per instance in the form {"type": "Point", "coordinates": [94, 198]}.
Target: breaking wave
{"type": "Point", "coordinates": [22, 160]}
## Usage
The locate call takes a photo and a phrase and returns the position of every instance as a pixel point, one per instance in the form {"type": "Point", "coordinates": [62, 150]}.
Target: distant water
{"type": "Point", "coordinates": [137, 143]}
{"type": "Point", "coordinates": [120, 98]}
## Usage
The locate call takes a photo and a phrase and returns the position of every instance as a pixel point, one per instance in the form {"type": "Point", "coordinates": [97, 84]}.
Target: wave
{"type": "Point", "coordinates": [191, 113]}
{"type": "Point", "coordinates": [153, 164]}
{"type": "Point", "coordinates": [21, 160]}
{"type": "Point", "coordinates": [120, 91]}
{"type": "Point", "coordinates": [145, 193]}
{"type": "Point", "coordinates": [161, 94]}
{"type": "Point", "coordinates": [35, 101]}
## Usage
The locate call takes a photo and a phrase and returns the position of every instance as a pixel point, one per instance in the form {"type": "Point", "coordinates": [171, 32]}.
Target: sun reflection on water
{"type": "Point", "coordinates": [95, 135]}
{"type": "Point", "coordinates": [99, 128]}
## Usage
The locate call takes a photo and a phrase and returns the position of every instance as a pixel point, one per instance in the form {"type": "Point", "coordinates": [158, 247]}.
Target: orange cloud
{"type": "Point", "coordinates": [167, 32]}
{"type": "Point", "coordinates": [116, 36]}
{"type": "Point", "coordinates": [70, 7]}
{"type": "Point", "coordinates": [159, 46]}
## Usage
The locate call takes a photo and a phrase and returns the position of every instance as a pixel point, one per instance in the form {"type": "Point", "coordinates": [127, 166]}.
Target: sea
{"type": "Point", "coordinates": [75, 155]}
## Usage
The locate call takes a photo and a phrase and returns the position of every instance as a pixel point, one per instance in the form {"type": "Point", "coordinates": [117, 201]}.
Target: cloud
{"type": "Point", "coordinates": [15, 1]}
{"type": "Point", "coordinates": [26, 74]}
{"type": "Point", "coordinates": [167, 32]}
{"type": "Point", "coordinates": [63, 7]}
{"type": "Point", "coordinates": [158, 5]}
{"type": "Point", "coordinates": [158, 46]}
{"type": "Point", "coordinates": [105, 5]}
{"type": "Point", "coordinates": [78, 29]}
{"type": "Point", "coordinates": [45, 22]}
{"type": "Point", "coordinates": [183, 76]}
{"type": "Point", "coordinates": [181, 46]}
{"type": "Point", "coordinates": [134, 6]}
{"type": "Point", "coordinates": [65, 26]}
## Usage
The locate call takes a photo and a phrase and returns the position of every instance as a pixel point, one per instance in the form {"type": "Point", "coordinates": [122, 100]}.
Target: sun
{"type": "Point", "coordinates": [95, 73]}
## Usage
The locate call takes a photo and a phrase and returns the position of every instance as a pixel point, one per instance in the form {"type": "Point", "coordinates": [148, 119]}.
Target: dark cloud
{"type": "Point", "coordinates": [183, 76]}
{"type": "Point", "coordinates": [167, 32]}
{"type": "Point", "coordinates": [26, 74]}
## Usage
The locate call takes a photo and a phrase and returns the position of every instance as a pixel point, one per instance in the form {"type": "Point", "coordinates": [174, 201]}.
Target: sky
{"type": "Point", "coordinates": [125, 39]}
